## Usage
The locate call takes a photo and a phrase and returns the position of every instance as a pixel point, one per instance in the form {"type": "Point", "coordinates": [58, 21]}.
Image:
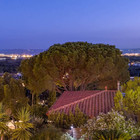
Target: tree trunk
{"type": "Point", "coordinates": [36, 99]}
{"type": "Point", "coordinates": [32, 99]}
{"type": "Point", "coordinates": [1, 137]}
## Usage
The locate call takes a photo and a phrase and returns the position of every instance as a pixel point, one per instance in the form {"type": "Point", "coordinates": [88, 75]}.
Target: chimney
{"type": "Point", "coordinates": [105, 87]}
{"type": "Point", "coordinates": [118, 85]}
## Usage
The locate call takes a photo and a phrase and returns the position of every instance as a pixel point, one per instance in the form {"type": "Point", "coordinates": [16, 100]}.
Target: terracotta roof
{"type": "Point", "coordinates": [89, 102]}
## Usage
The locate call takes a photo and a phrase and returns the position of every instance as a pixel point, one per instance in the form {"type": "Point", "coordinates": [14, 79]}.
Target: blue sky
{"type": "Point", "coordinates": [33, 24]}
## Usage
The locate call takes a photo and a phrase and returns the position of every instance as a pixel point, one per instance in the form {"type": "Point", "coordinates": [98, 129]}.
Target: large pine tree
{"type": "Point", "coordinates": [75, 66]}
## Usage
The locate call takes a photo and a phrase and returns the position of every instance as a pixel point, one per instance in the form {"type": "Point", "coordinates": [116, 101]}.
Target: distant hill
{"type": "Point", "coordinates": [37, 51]}
{"type": "Point", "coordinates": [21, 51]}
{"type": "Point", "coordinates": [131, 51]}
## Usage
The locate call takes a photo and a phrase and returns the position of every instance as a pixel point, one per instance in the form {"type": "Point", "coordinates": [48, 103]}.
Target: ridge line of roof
{"type": "Point", "coordinates": [65, 92]}
{"type": "Point", "coordinates": [80, 100]}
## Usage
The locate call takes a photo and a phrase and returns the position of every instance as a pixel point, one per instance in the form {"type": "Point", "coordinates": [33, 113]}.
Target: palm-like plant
{"type": "Point", "coordinates": [23, 125]}
{"type": "Point", "coordinates": [3, 130]}
{"type": "Point", "coordinates": [111, 135]}
{"type": "Point", "coordinates": [3, 122]}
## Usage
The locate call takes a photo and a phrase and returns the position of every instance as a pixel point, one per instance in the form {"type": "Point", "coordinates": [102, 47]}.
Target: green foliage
{"type": "Point", "coordinates": [111, 122]}
{"type": "Point", "coordinates": [130, 103]}
{"type": "Point", "coordinates": [38, 123]}
{"type": "Point", "coordinates": [63, 120]}
{"type": "Point", "coordinates": [39, 117]}
{"type": "Point", "coordinates": [48, 133]}
{"type": "Point", "coordinates": [34, 77]}
{"type": "Point", "coordinates": [52, 98]}
{"type": "Point", "coordinates": [1, 90]}
{"type": "Point", "coordinates": [75, 66]}
{"type": "Point", "coordinates": [118, 99]}
{"type": "Point", "coordinates": [3, 116]}
{"type": "Point", "coordinates": [39, 111]}
{"type": "Point", "coordinates": [23, 114]}
{"type": "Point", "coordinates": [4, 130]}
{"type": "Point", "coordinates": [13, 94]}
{"type": "Point", "coordinates": [66, 136]}
{"type": "Point", "coordinates": [111, 135]}
{"type": "Point", "coordinates": [79, 118]}
{"type": "Point", "coordinates": [23, 127]}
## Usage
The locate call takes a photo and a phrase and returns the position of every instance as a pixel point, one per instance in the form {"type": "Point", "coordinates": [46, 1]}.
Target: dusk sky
{"type": "Point", "coordinates": [38, 24]}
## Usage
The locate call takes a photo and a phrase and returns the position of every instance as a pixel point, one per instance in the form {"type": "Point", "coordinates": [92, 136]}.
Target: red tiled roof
{"type": "Point", "coordinates": [89, 102]}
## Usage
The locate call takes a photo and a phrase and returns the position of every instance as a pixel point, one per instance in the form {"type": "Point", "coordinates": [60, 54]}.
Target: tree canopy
{"type": "Point", "coordinates": [75, 66]}
{"type": "Point", "coordinates": [12, 93]}
{"type": "Point", "coordinates": [130, 103]}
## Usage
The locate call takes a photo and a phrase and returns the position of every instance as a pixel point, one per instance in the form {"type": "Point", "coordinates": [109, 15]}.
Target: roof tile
{"type": "Point", "coordinates": [89, 102]}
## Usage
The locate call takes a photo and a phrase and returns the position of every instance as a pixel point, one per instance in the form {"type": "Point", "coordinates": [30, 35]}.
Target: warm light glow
{"type": "Point", "coordinates": [16, 56]}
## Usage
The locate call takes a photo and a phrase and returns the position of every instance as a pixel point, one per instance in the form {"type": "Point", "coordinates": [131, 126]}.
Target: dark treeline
{"type": "Point", "coordinates": [133, 58]}
{"type": "Point", "coordinates": [12, 66]}
{"type": "Point", "coordinates": [134, 69]}
{"type": "Point", "coordinates": [9, 65]}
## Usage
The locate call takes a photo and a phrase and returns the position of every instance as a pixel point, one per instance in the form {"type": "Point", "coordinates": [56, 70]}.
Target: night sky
{"type": "Point", "coordinates": [34, 24]}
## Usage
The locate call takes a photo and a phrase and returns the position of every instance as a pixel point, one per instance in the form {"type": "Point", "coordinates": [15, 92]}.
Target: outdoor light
{"type": "Point", "coordinates": [71, 127]}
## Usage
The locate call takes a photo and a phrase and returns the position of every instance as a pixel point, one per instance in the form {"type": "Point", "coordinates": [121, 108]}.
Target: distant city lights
{"type": "Point", "coordinates": [131, 54]}
{"type": "Point", "coordinates": [15, 56]}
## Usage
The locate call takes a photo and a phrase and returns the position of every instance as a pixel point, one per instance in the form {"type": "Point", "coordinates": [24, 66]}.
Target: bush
{"type": "Point", "coordinates": [39, 111]}
{"type": "Point", "coordinates": [66, 136]}
{"type": "Point", "coordinates": [48, 133]}
{"type": "Point", "coordinates": [112, 121]}
{"type": "Point", "coordinates": [130, 103]}
{"type": "Point", "coordinates": [111, 134]}
{"type": "Point", "coordinates": [63, 120]}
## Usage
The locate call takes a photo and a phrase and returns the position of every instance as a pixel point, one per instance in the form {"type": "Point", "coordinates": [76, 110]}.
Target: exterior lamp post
{"type": "Point", "coordinates": [72, 130]}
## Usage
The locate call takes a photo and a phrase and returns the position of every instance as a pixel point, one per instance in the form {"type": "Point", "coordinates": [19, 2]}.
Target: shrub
{"type": "Point", "coordinates": [39, 111]}
{"type": "Point", "coordinates": [48, 133]}
{"type": "Point", "coordinates": [112, 121]}
{"type": "Point", "coordinates": [63, 120]}
{"type": "Point", "coordinates": [130, 103]}
{"type": "Point", "coordinates": [111, 134]}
